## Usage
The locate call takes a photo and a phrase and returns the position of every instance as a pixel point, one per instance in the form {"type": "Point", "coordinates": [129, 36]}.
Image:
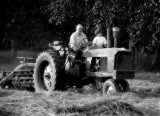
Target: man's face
{"type": "Point", "coordinates": [80, 30]}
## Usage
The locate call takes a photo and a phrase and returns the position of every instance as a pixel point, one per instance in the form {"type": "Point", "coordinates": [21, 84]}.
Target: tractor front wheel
{"type": "Point", "coordinates": [123, 85]}
{"type": "Point", "coordinates": [109, 87]}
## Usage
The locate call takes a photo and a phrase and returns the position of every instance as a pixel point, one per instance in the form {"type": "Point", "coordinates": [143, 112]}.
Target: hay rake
{"type": "Point", "coordinates": [21, 76]}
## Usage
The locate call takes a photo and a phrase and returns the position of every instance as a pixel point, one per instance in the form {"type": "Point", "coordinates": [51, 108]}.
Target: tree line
{"type": "Point", "coordinates": [31, 23]}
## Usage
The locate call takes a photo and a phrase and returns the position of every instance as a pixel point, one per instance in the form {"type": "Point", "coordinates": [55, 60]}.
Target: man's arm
{"type": "Point", "coordinates": [85, 38]}
{"type": "Point", "coordinates": [72, 41]}
{"type": "Point", "coordinates": [83, 41]}
{"type": "Point", "coordinates": [94, 42]}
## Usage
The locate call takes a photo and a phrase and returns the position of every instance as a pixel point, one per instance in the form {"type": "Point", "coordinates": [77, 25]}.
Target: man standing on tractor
{"type": "Point", "coordinates": [78, 41]}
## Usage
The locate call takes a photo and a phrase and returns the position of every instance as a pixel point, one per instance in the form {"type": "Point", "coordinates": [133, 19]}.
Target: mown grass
{"type": "Point", "coordinates": [141, 100]}
{"type": "Point", "coordinates": [21, 103]}
{"type": "Point", "coordinates": [101, 108]}
{"type": "Point", "coordinates": [5, 112]}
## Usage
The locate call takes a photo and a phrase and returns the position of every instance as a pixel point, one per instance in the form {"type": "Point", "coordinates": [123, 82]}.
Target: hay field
{"type": "Point", "coordinates": [142, 100]}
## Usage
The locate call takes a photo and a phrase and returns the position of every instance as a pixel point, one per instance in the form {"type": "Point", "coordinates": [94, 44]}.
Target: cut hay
{"type": "Point", "coordinates": [156, 90]}
{"type": "Point", "coordinates": [143, 99]}
{"type": "Point", "coordinates": [102, 108]}
{"type": "Point", "coordinates": [7, 112]}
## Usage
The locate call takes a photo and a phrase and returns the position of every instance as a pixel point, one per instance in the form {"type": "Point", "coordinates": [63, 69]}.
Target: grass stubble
{"type": "Point", "coordinates": [137, 102]}
{"type": "Point", "coordinates": [142, 100]}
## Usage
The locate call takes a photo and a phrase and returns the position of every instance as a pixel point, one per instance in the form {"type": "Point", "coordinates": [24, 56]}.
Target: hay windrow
{"type": "Point", "coordinates": [7, 112]}
{"type": "Point", "coordinates": [101, 108]}
{"type": "Point", "coordinates": [143, 97]}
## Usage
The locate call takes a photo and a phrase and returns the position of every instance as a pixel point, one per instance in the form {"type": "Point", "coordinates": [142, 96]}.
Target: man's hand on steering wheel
{"type": "Point", "coordinates": [83, 43]}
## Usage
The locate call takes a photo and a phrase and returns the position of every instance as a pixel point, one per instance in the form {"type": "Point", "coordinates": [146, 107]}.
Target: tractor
{"type": "Point", "coordinates": [110, 66]}
{"type": "Point", "coordinates": [57, 69]}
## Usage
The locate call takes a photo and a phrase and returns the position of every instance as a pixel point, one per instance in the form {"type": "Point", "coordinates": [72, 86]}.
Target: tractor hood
{"type": "Point", "coordinates": [102, 52]}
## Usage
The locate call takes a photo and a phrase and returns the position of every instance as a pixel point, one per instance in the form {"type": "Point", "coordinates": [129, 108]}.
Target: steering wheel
{"type": "Point", "coordinates": [83, 43]}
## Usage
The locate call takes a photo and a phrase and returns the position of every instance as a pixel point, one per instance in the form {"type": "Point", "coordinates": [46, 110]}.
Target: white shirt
{"type": "Point", "coordinates": [99, 41]}
{"type": "Point", "coordinates": [75, 39]}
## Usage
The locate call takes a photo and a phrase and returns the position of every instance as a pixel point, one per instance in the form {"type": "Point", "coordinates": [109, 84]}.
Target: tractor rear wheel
{"type": "Point", "coordinates": [123, 85]}
{"type": "Point", "coordinates": [110, 86]}
{"type": "Point", "coordinates": [46, 72]}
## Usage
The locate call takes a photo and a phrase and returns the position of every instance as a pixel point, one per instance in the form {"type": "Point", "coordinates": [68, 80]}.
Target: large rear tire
{"type": "Point", "coordinates": [109, 87]}
{"type": "Point", "coordinates": [46, 72]}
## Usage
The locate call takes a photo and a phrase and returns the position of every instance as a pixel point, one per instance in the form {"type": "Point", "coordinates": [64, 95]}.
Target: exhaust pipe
{"type": "Point", "coordinates": [115, 35]}
{"type": "Point", "coordinates": [115, 31]}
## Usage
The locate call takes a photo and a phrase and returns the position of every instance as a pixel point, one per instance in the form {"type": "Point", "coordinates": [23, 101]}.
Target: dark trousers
{"type": "Point", "coordinates": [78, 54]}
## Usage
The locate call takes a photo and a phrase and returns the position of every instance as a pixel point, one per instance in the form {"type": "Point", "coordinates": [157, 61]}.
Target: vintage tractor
{"type": "Point", "coordinates": [109, 66]}
{"type": "Point", "coordinates": [57, 69]}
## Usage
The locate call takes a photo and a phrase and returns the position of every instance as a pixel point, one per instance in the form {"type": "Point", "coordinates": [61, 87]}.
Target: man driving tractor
{"type": "Point", "coordinates": [78, 40]}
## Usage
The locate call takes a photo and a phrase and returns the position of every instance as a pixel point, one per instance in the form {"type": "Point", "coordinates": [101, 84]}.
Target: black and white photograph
{"type": "Point", "coordinates": [80, 58]}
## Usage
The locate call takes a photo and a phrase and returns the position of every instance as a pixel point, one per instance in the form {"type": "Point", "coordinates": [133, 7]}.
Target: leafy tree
{"type": "Point", "coordinates": [89, 13]}
{"type": "Point", "coordinates": [145, 28]}
{"type": "Point", "coordinates": [21, 18]}
{"type": "Point", "coordinates": [28, 20]}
